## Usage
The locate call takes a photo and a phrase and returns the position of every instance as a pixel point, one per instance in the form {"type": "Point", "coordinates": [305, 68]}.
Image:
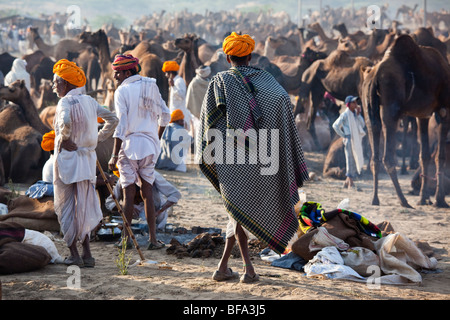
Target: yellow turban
{"type": "Point", "coordinates": [48, 141]}
{"type": "Point", "coordinates": [170, 66]}
{"type": "Point", "coordinates": [238, 46]}
{"type": "Point", "coordinates": [176, 115]}
{"type": "Point", "coordinates": [70, 72]}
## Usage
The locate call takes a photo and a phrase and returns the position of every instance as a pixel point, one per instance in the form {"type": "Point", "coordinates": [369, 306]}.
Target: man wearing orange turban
{"type": "Point", "coordinates": [70, 72]}
{"type": "Point", "coordinates": [175, 143]}
{"type": "Point", "coordinates": [177, 90]}
{"type": "Point", "coordinates": [48, 141]}
{"type": "Point", "coordinates": [238, 45]}
{"type": "Point", "coordinates": [76, 137]}
{"type": "Point", "coordinates": [247, 104]}
{"type": "Point", "coordinates": [169, 66]}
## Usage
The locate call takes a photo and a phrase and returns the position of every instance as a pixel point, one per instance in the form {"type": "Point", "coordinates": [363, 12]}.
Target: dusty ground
{"type": "Point", "coordinates": [190, 278]}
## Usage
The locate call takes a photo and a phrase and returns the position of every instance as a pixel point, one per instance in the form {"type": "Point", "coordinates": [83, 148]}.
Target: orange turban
{"type": "Point", "coordinates": [238, 46]}
{"type": "Point", "coordinates": [170, 66]}
{"type": "Point", "coordinates": [70, 72]}
{"type": "Point", "coordinates": [48, 141]}
{"type": "Point", "coordinates": [176, 115]}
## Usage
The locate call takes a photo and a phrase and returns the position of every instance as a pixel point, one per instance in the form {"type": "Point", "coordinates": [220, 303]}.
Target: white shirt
{"type": "Point", "coordinates": [80, 165]}
{"type": "Point", "coordinates": [177, 95]}
{"type": "Point", "coordinates": [138, 123]}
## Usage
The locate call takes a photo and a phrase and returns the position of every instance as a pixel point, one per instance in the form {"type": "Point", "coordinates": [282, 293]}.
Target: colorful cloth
{"type": "Point", "coordinates": [70, 72]}
{"type": "Point", "coordinates": [169, 66]}
{"type": "Point", "coordinates": [238, 45]}
{"type": "Point", "coordinates": [312, 215]}
{"type": "Point", "coordinates": [126, 62]}
{"type": "Point", "coordinates": [260, 198]}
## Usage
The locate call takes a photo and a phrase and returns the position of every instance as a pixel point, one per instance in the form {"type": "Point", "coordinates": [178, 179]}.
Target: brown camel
{"type": "Point", "coordinates": [61, 50]}
{"type": "Point", "coordinates": [338, 74]}
{"type": "Point", "coordinates": [410, 80]}
{"type": "Point", "coordinates": [425, 37]}
{"type": "Point", "coordinates": [327, 44]}
{"type": "Point", "coordinates": [23, 157]}
{"type": "Point", "coordinates": [196, 53]}
{"type": "Point", "coordinates": [6, 62]}
{"type": "Point", "coordinates": [99, 40]}
{"type": "Point", "coordinates": [190, 60]}
{"type": "Point", "coordinates": [151, 64]}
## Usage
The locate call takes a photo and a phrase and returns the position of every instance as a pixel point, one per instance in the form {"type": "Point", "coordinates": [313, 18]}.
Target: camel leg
{"type": "Point", "coordinates": [389, 160]}
{"type": "Point", "coordinates": [440, 162]}
{"type": "Point", "coordinates": [424, 159]}
{"type": "Point", "coordinates": [404, 149]}
{"type": "Point", "coordinates": [316, 99]}
{"type": "Point", "coordinates": [374, 139]}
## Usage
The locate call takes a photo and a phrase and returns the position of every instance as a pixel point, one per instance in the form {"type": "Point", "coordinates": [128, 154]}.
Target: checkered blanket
{"type": "Point", "coordinates": [251, 101]}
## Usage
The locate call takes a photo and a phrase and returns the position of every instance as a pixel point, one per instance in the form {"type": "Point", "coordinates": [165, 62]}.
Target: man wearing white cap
{"type": "Point", "coordinates": [350, 126]}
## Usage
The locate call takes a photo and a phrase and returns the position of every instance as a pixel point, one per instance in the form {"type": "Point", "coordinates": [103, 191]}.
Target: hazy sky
{"type": "Point", "coordinates": [131, 10]}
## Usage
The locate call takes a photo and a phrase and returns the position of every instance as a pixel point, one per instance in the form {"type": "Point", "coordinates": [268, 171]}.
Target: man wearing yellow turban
{"type": "Point", "coordinates": [76, 136]}
{"type": "Point", "coordinates": [246, 104]}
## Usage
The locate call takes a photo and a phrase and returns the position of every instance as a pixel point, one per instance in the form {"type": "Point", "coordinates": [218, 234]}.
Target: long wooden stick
{"type": "Point", "coordinates": [127, 225]}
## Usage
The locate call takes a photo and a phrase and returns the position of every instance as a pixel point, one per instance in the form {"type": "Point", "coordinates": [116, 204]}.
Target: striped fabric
{"type": "Point", "coordinates": [250, 101]}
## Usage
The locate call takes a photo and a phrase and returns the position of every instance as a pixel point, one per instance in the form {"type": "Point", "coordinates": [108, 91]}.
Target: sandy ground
{"type": "Point", "coordinates": [189, 279]}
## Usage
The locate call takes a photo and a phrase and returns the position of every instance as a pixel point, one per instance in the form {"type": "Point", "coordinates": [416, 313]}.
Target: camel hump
{"type": "Point", "coordinates": [405, 50]}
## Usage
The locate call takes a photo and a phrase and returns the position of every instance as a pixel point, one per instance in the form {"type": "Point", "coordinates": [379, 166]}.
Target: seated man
{"type": "Point", "coordinates": [175, 143]}
{"type": "Point", "coordinates": [44, 187]}
{"type": "Point", "coordinates": [165, 195]}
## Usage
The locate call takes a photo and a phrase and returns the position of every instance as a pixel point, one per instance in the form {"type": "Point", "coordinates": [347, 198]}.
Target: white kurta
{"type": "Point", "coordinates": [74, 172]}
{"type": "Point", "coordinates": [177, 99]}
{"type": "Point", "coordinates": [140, 113]}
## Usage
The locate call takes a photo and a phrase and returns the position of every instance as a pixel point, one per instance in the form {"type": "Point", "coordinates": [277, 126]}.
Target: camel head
{"type": "Point", "coordinates": [309, 56]}
{"type": "Point", "coordinates": [14, 92]}
{"type": "Point", "coordinates": [92, 38]}
{"type": "Point", "coordinates": [276, 42]}
{"type": "Point", "coordinates": [186, 43]}
{"type": "Point", "coordinates": [347, 45]}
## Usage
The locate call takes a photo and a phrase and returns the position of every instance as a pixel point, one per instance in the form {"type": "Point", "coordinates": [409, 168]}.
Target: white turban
{"type": "Point", "coordinates": [203, 71]}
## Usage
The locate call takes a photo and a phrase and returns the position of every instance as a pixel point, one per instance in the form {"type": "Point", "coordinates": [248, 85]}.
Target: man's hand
{"type": "Point", "coordinates": [69, 145]}
{"type": "Point", "coordinates": [112, 164]}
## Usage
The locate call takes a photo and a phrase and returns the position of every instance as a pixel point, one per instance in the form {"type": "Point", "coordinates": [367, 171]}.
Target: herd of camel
{"type": "Point", "coordinates": [398, 76]}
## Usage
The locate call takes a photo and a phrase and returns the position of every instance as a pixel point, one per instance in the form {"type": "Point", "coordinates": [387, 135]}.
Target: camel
{"type": "Point", "coordinates": [416, 181]}
{"type": "Point", "coordinates": [190, 60]}
{"type": "Point", "coordinates": [280, 46]}
{"type": "Point", "coordinates": [334, 164]}
{"type": "Point", "coordinates": [88, 60]}
{"type": "Point", "coordinates": [425, 37]}
{"type": "Point", "coordinates": [150, 63]}
{"type": "Point", "coordinates": [61, 50]}
{"type": "Point", "coordinates": [410, 80]}
{"type": "Point", "coordinates": [196, 53]}
{"type": "Point", "coordinates": [338, 74]}
{"type": "Point", "coordinates": [327, 44]}
{"type": "Point", "coordinates": [359, 37]}
{"type": "Point", "coordinates": [6, 62]}
{"type": "Point", "coordinates": [99, 40]}
{"type": "Point", "coordinates": [23, 157]}
{"type": "Point", "coordinates": [42, 70]}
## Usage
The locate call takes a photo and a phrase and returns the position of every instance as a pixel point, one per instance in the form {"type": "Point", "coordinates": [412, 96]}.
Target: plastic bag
{"type": "Point", "coordinates": [360, 259]}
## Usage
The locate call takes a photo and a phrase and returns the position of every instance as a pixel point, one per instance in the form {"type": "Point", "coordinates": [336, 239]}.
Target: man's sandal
{"type": "Point", "coordinates": [223, 276]}
{"type": "Point", "coordinates": [249, 279]}
{"type": "Point", "coordinates": [157, 246]}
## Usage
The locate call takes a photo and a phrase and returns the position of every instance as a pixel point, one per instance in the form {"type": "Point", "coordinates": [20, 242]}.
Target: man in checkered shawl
{"type": "Point", "coordinates": [250, 106]}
